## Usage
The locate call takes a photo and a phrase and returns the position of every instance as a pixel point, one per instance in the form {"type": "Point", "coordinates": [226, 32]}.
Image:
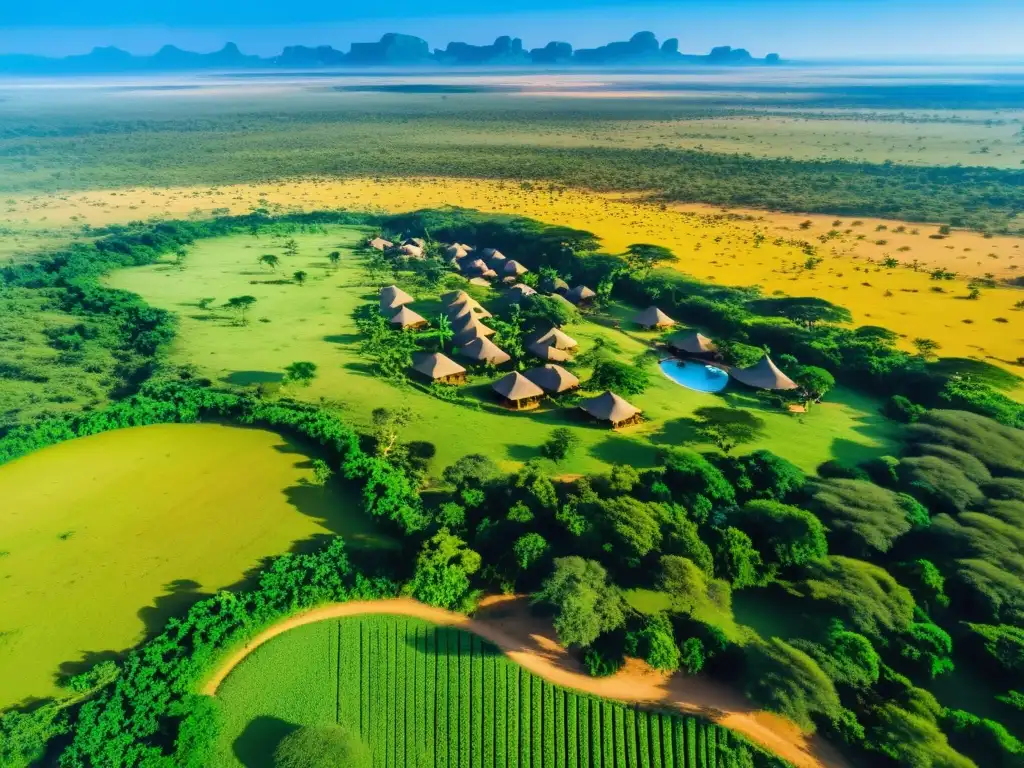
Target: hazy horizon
{"type": "Point", "coordinates": [796, 29]}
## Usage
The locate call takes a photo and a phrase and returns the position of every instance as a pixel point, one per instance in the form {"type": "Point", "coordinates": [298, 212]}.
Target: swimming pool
{"type": "Point", "coordinates": [696, 376]}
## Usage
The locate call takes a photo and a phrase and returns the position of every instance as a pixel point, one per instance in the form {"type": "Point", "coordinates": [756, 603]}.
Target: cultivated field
{"type": "Point", "coordinates": [314, 322]}
{"type": "Point", "coordinates": [106, 537]}
{"type": "Point", "coordinates": [423, 695]}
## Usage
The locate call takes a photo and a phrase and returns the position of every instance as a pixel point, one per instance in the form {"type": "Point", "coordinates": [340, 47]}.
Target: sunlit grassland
{"type": "Point", "coordinates": [314, 322]}
{"type": "Point", "coordinates": [106, 537]}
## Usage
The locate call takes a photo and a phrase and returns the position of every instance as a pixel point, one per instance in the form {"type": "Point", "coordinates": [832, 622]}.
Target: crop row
{"type": "Point", "coordinates": [435, 696]}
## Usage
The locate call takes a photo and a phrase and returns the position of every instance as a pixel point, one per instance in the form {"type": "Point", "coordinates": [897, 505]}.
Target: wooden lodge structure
{"type": "Point", "coordinates": [517, 391]}
{"type": "Point", "coordinates": [483, 350]}
{"type": "Point", "coordinates": [581, 296]}
{"type": "Point", "coordinates": [553, 379]}
{"type": "Point", "coordinates": [764, 374]}
{"type": "Point", "coordinates": [613, 409]}
{"type": "Point", "coordinates": [652, 318]}
{"type": "Point", "coordinates": [692, 344]}
{"type": "Point", "coordinates": [393, 298]}
{"type": "Point", "coordinates": [436, 367]}
{"type": "Point", "coordinates": [407, 319]}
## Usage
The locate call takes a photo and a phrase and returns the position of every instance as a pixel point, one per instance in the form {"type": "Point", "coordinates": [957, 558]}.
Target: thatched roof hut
{"type": "Point", "coordinates": [406, 319]}
{"type": "Point", "coordinates": [523, 290]}
{"type": "Point", "coordinates": [611, 408]}
{"type": "Point", "coordinates": [465, 309]}
{"type": "Point", "coordinates": [489, 253]}
{"type": "Point", "coordinates": [456, 251]}
{"type": "Point", "coordinates": [513, 267]}
{"type": "Point", "coordinates": [412, 251]}
{"type": "Point", "coordinates": [483, 350]}
{"type": "Point", "coordinates": [479, 282]}
{"type": "Point", "coordinates": [497, 261]}
{"type": "Point", "coordinates": [437, 367]}
{"type": "Point", "coordinates": [548, 353]}
{"type": "Point", "coordinates": [554, 285]}
{"type": "Point", "coordinates": [419, 242]}
{"type": "Point", "coordinates": [489, 274]}
{"type": "Point", "coordinates": [652, 317]}
{"type": "Point", "coordinates": [553, 378]}
{"type": "Point", "coordinates": [473, 266]}
{"type": "Point", "coordinates": [692, 343]}
{"type": "Point", "coordinates": [763, 374]}
{"type": "Point", "coordinates": [517, 391]}
{"type": "Point", "coordinates": [556, 338]}
{"type": "Point", "coordinates": [380, 244]}
{"type": "Point", "coordinates": [472, 330]}
{"type": "Point", "coordinates": [581, 295]}
{"type": "Point", "coordinates": [453, 297]}
{"type": "Point", "coordinates": [392, 298]}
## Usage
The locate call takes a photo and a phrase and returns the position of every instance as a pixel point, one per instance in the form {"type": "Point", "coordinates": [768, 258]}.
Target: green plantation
{"type": "Point", "coordinates": [421, 695]}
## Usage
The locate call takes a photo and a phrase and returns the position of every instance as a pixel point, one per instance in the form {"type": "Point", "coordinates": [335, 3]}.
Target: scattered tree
{"type": "Point", "coordinates": [241, 305]}
{"type": "Point", "coordinates": [301, 373]}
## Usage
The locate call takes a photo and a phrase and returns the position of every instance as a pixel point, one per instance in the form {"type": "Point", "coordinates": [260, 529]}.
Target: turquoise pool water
{"type": "Point", "coordinates": [696, 376]}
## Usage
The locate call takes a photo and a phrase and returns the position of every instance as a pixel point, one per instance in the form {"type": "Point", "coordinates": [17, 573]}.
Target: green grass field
{"type": "Point", "coordinates": [113, 534]}
{"type": "Point", "coordinates": [421, 695]}
{"type": "Point", "coordinates": [314, 322]}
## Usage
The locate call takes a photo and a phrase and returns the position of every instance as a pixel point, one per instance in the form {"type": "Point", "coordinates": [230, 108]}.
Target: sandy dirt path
{"type": "Point", "coordinates": [528, 641]}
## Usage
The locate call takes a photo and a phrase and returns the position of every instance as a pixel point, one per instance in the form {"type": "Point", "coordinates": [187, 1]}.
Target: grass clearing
{"type": "Point", "coordinates": [115, 533]}
{"type": "Point", "coordinates": [423, 695]}
{"type": "Point", "coordinates": [314, 322]}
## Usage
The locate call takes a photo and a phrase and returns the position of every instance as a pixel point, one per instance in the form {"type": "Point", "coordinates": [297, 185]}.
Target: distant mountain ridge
{"type": "Point", "coordinates": [391, 50]}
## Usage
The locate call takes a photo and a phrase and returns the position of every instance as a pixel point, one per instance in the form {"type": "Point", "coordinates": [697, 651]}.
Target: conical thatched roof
{"type": "Point", "coordinates": [489, 273]}
{"type": "Point", "coordinates": [392, 297]}
{"type": "Point", "coordinates": [419, 242]}
{"type": "Point", "coordinates": [473, 266]}
{"type": "Point", "coordinates": [456, 251]}
{"type": "Point", "coordinates": [435, 365]}
{"type": "Point", "coordinates": [515, 386]}
{"type": "Point", "coordinates": [453, 297]}
{"type": "Point", "coordinates": [610, 407]}
{"type": "Point", "coordinates": [763, 374]}
{"type": "Point", "coordinates": [554, 285]}
{"type": "Point", "coordinates": [513, 267]}
{"type": "Point", "coordinates": [380, 244]}
{"type": "Point", "coordinates": [483, 350]}
{"type": "Point", "coordinates": [466, 309]}
{"type": "Point", "coordinates": [556, 338]}
{"type": "Point", "coordinates": [465, 322]}
{"type": "Point", "coordinates": [523, 290]}
{"type": "Point", "coordinates": [415, 251]}
{"type": "Point", "coordinates": [652, 317]}
{"type": "Point", "coordinates": [580, 293]}
{"type": "Point", "coordinates": [692, 343]}
{"type": "Point", "coordinates": [473, 330]}
{"type": "Point", "coordinates": [406, 317]}
{"type": "Point", "coordinates": [549, 353]}
{"type": "Point", "coordinates": [552, 378]}
{"type": "Point", "coordinates": [479, 281]}
{"type": "Point", "coordinates": [489, 253]}
{"type": "Point", "coordinates": [497, 260]}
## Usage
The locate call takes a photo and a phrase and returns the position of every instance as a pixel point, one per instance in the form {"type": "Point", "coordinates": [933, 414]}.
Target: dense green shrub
{"type": "Point", "coordinates": [326, 746]}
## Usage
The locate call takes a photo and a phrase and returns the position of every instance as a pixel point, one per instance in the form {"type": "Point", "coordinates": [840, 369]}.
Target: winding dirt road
{"type": "Point", "coordinates": [528, 641]}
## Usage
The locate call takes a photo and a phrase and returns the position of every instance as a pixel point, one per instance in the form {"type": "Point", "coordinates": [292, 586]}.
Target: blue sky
{"type": "Point", "coordinates": [794, 28]}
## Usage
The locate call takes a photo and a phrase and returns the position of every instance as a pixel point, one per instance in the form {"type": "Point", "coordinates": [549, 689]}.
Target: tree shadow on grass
{"type": "Point", "coordinates": [739, 425]}
{"type": "Point", "coordinates": [250, 378]}
{"type": "Point", "coordinates": [254, 747]}
{"type": "Point", "coordinates": [618, 449]}
{"type": "Point", "coordinates": [344, 339]}
{"type": "Point", "coordinates": [522, 452]}
{"type": "Point", "coordinates": [179, 595]}
{"type": "Point", "coordinates": [364, 369]}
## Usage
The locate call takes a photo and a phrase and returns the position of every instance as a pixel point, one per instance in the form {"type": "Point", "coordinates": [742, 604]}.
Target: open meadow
{"type": "Point", "coordinates": [113, 534]}
{"type": "Point", "coordinates": [315, 322]}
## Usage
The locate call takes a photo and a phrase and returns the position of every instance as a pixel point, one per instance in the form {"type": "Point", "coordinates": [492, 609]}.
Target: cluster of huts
{"type": "Point", "coordinates": [520, 391]}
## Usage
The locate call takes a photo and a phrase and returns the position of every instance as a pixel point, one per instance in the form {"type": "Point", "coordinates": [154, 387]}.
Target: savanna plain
{"type": "Point", "coordinates": [198, 396]}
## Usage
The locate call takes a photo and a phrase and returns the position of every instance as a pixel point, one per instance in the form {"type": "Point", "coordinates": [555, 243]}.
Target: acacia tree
{"type": "Point", "coordinates": [269, 260]}
{"type": "Point", "coordinates": [301, 373]}
{"type": "Point", "coordinates": [291, 247]}
{"type": "Point", "coordinates": [334, 259]}
{"type": "Point", "coordinates": [299, 277]}
{"type": "Point", "coordinates": [240, 304]}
